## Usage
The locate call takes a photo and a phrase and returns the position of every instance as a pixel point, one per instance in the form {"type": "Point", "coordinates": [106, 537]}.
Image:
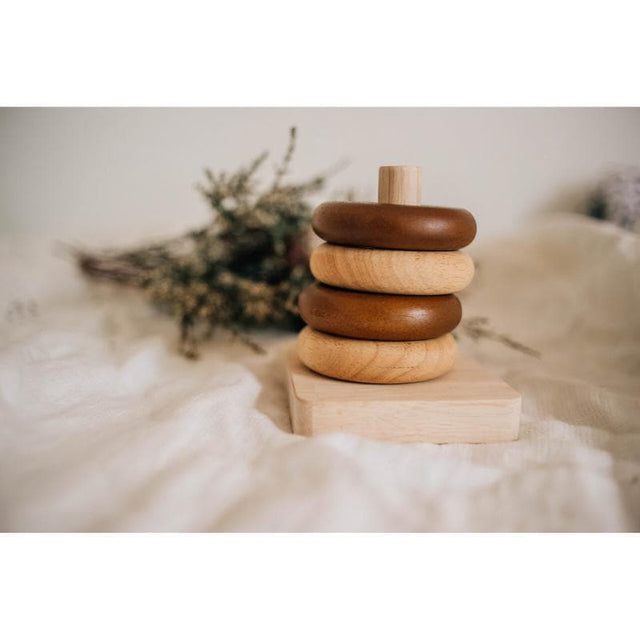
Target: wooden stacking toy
{"type": "Point", "coordinates": [395, 247]}
{"type": "Point", "coordinates": [382, 314]}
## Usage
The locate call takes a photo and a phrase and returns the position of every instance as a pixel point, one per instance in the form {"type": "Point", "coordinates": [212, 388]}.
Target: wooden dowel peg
{"type": "Point", "coordinates": [399, 185]}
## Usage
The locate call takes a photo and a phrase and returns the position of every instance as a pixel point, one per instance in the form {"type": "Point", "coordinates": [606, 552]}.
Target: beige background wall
{"type": "Point", "coordinates": [115, 174]}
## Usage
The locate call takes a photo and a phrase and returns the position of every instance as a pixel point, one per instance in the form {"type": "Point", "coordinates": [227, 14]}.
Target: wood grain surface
{"type": "Point", "coordinates": [379, 362]}
{"type": "Point", "coordinates": [390, 271]}
{"type": "Point", "coordinates": [378, 316]}
{"type": "Point", "coordinates": [469, 404]}
{"type": "Point", "coordinates": [394, 226]}
{"type": "Point", "coordinates": [399, 184]}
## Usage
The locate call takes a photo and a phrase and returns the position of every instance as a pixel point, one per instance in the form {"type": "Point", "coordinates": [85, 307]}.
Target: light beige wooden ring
{"type": "Point", "coordinates": [374, 361]}
{"type": "Point", "coordinates": [392, 271]}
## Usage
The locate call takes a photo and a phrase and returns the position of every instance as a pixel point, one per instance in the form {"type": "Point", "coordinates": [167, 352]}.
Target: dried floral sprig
{"type": "Point", "coordinates": [477, 328]}
{"type": "Point", "coordinates": [244, 270]}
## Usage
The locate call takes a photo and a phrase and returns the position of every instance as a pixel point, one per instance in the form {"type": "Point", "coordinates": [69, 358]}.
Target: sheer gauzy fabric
{"type": "Point", "coordinates": [104, 427]}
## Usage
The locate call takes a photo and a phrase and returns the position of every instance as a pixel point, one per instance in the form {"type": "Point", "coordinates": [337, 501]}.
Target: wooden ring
{"type": "Point", "coordinates": [377, 316]}
{"type": "Point", "coordinates": [394, 226]}
{"type": "Point", "coordinates": [376, 362]}
{"type": "Point", "coordinates": [389, 271]}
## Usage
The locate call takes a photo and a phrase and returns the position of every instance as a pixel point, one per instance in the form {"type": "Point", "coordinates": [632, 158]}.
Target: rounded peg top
{"type": "Point", "coordinates": [399, 185]}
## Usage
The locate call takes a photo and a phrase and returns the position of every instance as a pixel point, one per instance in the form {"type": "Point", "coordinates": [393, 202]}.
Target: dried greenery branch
{"type": "Point", "coordinates": [243, 270]}
{"type": "Point", "coordinates": [477, 328]}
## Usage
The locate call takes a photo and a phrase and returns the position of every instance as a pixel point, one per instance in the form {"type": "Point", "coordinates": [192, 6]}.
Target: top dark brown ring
{"type": "Point", "coordinates": [394, 226]}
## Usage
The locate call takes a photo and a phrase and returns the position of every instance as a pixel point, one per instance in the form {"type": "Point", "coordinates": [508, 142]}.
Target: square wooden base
{"type": "Point", "coordinates": [469, 404]}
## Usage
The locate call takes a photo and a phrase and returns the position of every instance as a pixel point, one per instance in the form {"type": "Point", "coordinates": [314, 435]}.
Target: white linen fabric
{"type": "Point", "coordinates": [104, 427]}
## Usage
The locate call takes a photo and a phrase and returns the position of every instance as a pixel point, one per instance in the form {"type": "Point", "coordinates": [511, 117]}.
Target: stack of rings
{"type": "Point", "coordinates": [385, 307]}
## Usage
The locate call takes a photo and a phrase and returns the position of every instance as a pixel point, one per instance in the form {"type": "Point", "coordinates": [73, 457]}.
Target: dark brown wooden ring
{"type": "Point", "coordinates": [378, 316]}
{"type": "Point", "coordinates": [394, 226]}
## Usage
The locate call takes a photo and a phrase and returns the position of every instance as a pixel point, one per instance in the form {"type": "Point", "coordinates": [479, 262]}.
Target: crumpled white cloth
{"type": "Point", "coordinates": [103, 427]}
